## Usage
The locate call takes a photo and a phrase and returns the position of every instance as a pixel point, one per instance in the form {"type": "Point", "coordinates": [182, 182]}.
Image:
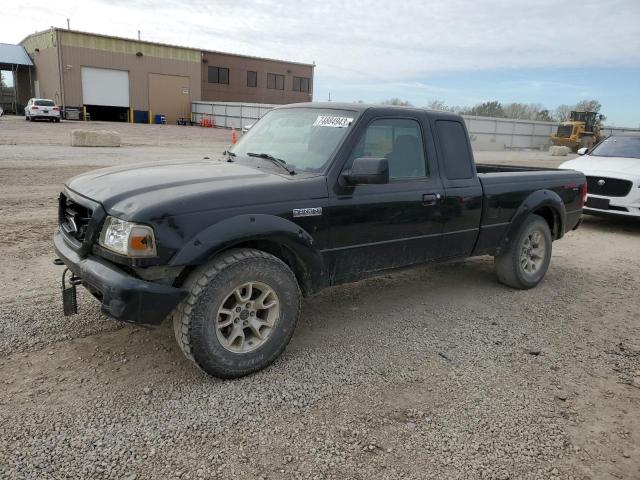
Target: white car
{"type": "Point", "coordinates": [42, 108]}
{"type": "Point", "coordinates": [612, 169]}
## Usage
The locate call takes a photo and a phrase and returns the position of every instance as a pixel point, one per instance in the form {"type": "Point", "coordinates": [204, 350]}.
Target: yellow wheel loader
{"type": "Point", "coordinates": [581, 130]}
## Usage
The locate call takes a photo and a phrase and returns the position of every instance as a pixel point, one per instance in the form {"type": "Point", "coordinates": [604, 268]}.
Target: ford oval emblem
{"type": "Point", "coordinates": [601, 182]}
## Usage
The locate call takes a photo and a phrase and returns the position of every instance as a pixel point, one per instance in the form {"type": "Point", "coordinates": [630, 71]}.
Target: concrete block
{"type": "Point", "coordinates": [559, 151]}
{"type": "Point", "coordinates": [95, 138]}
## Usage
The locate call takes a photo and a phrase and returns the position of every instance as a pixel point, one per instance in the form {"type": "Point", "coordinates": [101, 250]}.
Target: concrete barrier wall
{"type": "Point", "coordinates": [486, 133]}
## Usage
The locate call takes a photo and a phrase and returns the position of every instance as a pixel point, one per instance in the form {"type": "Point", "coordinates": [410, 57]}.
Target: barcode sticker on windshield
{"type": "Point", "coordinates": [331, 121]}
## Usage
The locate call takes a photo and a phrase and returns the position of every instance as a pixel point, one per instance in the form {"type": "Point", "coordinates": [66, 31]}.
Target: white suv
{"type": "Point", "coordinates": [42, 108]}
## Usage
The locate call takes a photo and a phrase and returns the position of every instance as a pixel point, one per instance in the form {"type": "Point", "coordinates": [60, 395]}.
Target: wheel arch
{"type": "Point", "coordinates": [274, 235]}
{"type": "Point", "coordinates": [545, 203]}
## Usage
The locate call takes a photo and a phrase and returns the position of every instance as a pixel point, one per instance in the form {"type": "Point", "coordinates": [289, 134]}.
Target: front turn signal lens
{"type": "Point", "coordinates": [128, 238]}
{"type": "Point", "coordinates": [141, 242]}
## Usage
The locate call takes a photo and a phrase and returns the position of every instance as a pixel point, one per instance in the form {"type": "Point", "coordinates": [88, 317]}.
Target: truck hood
{"type": "Point", "coordinates": [604, 166]}
{"type": "Point", "coordinates": [160, 189]}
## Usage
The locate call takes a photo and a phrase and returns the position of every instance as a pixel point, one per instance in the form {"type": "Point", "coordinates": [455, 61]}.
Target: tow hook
{"type": "Point", "coordinates": [69, 295]}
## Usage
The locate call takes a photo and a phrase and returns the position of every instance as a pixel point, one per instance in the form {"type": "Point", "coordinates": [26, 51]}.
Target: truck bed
{"type": "Point", "coordinates": [506, 189]}
{"type": "Point", "coordinates": [482, 168]}
{"type": "Point", "coordinates": [494, 177]}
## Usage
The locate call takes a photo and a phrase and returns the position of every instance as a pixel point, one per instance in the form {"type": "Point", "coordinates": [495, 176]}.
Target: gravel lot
{"type": "Point", "coordinates": [430, 373]}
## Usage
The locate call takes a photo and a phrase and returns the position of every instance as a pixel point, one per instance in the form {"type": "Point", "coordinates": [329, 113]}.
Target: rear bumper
{"type": "Point", "coordinates": [44, 117]}
{"type": "Point", "coordinates": [122, 296]}
{"type": "Point", "coordinates": [573, 220]}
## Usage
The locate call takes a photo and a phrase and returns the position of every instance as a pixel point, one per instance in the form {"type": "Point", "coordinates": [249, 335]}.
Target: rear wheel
{"type": "Point", "coordinates": [527, 259]}
{"type": "Point", "coordinates": [240, 313]}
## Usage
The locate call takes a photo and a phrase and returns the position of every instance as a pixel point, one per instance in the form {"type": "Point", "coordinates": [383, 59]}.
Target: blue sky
{"type": "Point", "coordinates": [618, 89]}
{"type": "Point", "coordinates": [459, 51]}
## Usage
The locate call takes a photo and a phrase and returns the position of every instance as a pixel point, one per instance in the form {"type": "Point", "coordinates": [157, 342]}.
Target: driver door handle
{"type": "Point", "coordinates": [430, 198]}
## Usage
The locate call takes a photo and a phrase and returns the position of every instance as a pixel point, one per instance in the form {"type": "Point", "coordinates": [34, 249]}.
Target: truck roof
{"type": "Point", "coordinates": [362, 107]}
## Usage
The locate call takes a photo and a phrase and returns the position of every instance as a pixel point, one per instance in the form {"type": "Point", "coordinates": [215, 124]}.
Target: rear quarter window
{"type": "Point", "coordinates": [454, 148]}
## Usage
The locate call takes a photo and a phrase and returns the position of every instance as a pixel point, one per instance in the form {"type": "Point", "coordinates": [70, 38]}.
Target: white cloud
{"type": "Point", "coordinates": [365, 42]}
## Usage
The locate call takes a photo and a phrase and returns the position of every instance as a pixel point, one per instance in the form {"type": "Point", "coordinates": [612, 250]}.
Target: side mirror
{"type": "Point", "coordinates": [582, 151]}
{"type": "Point", "coordinates": [367, 171]}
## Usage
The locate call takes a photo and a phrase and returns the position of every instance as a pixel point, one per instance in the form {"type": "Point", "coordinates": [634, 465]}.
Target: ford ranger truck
{"type": "Point", "coordinates": [313, 195]}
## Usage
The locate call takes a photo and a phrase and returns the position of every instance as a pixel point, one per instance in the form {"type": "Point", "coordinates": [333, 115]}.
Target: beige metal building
{"type": "Point", "coordinates": [120, 79]}
{"type": "Point", "coordinates": [235, 78]}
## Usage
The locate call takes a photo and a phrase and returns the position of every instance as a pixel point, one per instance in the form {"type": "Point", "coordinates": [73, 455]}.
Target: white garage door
{"type": "Point", "coordinates": [101, 86]}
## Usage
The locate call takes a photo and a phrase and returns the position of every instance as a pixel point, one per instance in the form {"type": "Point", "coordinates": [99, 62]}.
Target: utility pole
{"type": "Point", "coordinates": [138, 34]}
{"type": "Point", "coordinates": [68, 24]}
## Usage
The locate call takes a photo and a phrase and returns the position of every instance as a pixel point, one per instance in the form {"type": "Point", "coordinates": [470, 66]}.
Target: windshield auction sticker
{"type": "Point", "coordinates": [331, 121]}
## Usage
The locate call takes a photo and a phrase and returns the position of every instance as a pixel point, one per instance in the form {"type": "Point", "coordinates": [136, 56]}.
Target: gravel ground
{"type": "Point", "coordinates": [430, 373]}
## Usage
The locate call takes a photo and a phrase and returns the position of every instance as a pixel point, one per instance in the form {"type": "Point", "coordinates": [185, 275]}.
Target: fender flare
{"type": "Point", "coordinates": [245, 228]}
{"type": "Point", "coordinates": [535, 201]}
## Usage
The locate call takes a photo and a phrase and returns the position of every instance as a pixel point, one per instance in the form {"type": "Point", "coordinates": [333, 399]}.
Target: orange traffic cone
{"type": "Point", "coordinates": [234, 139]}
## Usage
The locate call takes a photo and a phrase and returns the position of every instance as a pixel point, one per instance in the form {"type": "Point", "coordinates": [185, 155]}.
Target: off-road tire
{"type": "Point", "coordinates": [508, 265]}
{"type": "Point", "coordinates": [194, 320]}
{"type": "Point", "coordinates": [587, 141]}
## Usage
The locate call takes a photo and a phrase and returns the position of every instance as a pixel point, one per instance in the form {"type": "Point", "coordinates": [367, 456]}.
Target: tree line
{"type": "Point", "coordinates": [520, 111]}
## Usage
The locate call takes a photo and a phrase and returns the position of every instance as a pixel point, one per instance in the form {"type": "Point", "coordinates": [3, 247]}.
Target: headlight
{"type": "Point", "coordinates": [128, 238]}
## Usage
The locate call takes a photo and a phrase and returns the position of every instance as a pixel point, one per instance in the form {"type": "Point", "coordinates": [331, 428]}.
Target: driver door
{"type": "Point", "coordinates": [386, 226]}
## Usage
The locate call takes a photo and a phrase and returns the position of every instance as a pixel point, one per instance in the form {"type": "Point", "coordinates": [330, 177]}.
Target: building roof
{"type": "Point", "coordinates": [146, 42]}
{"type": "Point", "coordinates": [14, 55]}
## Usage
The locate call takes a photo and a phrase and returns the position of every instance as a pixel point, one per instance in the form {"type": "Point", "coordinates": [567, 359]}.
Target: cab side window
{"type": "Point", "coordinates": [398, 140]}
{"type": "Point", "coordinates": [455, 150]}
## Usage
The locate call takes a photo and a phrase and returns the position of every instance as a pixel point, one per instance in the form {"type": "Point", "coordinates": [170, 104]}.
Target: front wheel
{"type": "Point", "coordinates": [524, 264]}
{"type": "Point", "coordinates": [240, 313]}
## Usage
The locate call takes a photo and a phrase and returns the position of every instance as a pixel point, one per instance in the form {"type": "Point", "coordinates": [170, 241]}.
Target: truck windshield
{"type": "Point", "coordinates": [304, 138]}
{"type": "Point", "coordinates": [628, 147]}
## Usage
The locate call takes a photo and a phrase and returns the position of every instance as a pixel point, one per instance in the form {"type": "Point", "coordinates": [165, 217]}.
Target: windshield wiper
{"type": "Point", "coordinates": [277, 161]}
{"type": "Point", "coordinates": [230, 155]}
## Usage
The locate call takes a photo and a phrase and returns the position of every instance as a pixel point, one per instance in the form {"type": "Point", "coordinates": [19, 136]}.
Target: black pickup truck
{"type": "Point", "coordinates": [314, 195]}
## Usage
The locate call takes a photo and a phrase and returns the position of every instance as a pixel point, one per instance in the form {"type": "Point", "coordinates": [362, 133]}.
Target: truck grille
{"type": "Point", "coordinates": [73, 218]}
{"type": "Point", "coordinates": [609, 187]}
{"type": "Point", "coordinates": [564, 131]}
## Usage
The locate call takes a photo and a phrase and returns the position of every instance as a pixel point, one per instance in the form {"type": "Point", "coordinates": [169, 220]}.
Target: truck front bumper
{"type": "Point", "coordinates": [122, 296]}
